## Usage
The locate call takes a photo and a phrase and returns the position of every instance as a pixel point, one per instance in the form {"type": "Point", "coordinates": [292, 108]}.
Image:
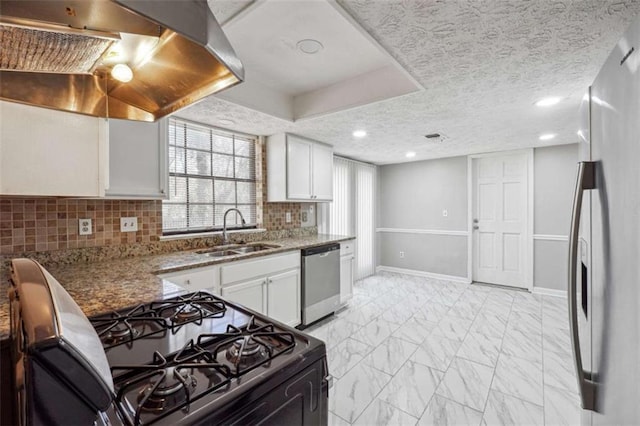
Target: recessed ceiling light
{"type": "Point", "coordinates": [410, 154]}
{"type": "Point", "coordinates": [547, 136]}
{"type": "Point", "coordinates": [360, 133]}
{"type": "Point", "coordinates": [545, 102]}
{"type": "Point", "coordinates": [309, 46]}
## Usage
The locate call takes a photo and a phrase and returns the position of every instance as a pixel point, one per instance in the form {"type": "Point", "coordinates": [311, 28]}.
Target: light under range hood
{"type": "Point", "coordinates": [60, 54]}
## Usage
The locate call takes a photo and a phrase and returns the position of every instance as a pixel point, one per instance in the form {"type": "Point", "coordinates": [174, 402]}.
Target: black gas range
{"type": "Point", "coordinates": [189, 359]}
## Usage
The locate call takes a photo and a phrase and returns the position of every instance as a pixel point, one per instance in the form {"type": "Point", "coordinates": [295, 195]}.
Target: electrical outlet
{"type": "Point", "coordinates": [445, 213]}
{"type": "Point", "coordinates": [305, 216]}
{"type": "Point", "coordinates": [287, 217]}
{"type": "Point", "coordinates": [128, 224]}
{"type": "Point", "coordinates": [401, 254]}
{"type": "Point", "coordinates": [84, 227]}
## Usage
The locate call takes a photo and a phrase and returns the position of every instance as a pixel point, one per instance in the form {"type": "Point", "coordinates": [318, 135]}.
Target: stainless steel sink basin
{"type": "Point", "coordinates": [221, 253]}
{"type": "Point", "coordinates": [237, 249]}
{"type": "Point", "coordinates": [254, 247]}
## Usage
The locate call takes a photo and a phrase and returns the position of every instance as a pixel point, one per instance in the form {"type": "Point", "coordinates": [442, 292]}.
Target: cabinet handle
{"type": "Point", "coordinates": [187, 282]}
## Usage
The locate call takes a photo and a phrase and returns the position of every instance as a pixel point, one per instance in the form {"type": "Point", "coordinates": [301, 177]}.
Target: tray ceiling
{"type": "Point", "coordinates": [483, 65]}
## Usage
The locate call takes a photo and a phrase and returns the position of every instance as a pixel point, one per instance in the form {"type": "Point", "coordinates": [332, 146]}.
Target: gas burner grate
{"type": "Point", "coordinates": [123, 327]}
{"type": "Point", "coordinates": [249, 347]}
{"type": "Point", "coordinates": [193, 307]}
{"type": "Point", "coordinates": [147, 393]}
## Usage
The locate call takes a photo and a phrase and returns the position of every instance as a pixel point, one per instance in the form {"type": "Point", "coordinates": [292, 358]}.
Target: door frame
{"type": "Point", "coordinates": [470, 190]}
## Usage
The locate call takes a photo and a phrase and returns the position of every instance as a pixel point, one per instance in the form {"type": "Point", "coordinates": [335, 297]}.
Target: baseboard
{"type": "Point", "coordinates": [550, 292]}
{"type": "Point", "coordinates": [413, 272]}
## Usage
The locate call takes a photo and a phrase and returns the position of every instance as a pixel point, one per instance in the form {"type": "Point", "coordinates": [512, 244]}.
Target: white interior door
{"type": "Point", "coordinates": [500, 219]}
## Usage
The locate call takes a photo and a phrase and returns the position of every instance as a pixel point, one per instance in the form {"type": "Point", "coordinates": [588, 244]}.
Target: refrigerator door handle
{"type": "Point", "coordinates": [587, 387]}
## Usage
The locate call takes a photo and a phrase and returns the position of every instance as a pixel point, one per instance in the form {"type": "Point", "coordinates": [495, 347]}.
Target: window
{"type": "Point", "coordinates": [352, 211]}
{"type": "Point", "coordinates": [210, 171]}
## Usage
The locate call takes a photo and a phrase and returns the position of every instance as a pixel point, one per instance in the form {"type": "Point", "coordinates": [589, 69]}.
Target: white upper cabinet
{"type": "Point", "coordinates": [299, 152]}
{"type": "Point", "coordinates": [298, 169]}
{"type": "Point", "coordinates": [137, 159]}
{"type": "Point", "coordinates": [52, 153]}
{"type": "Point", "coordinates": [322, 160]}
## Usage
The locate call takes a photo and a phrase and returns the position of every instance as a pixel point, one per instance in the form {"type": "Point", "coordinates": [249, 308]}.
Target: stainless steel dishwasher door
{"type": "Point", "coordinates": [320, 282]}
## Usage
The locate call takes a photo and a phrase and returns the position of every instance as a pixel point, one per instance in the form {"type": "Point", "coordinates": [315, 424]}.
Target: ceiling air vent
{"type": "Point", "coordinates": [435, 137]}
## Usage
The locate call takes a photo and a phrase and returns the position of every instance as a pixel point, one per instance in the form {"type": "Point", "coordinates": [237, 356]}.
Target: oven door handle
{"type": "Point", "coordinates": [586, 386]}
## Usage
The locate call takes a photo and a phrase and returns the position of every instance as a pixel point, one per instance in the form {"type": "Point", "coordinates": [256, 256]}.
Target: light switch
{"type": "Point", "coordinates": [84, 227]}
{"type": "Point", "coordinates": [128, 224]}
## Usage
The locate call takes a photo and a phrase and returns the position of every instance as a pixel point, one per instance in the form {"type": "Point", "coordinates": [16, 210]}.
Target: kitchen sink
{"type": "Point", "coordinates": [220, 253]}
{"type": "Point", "coordinates": [254, 247]}
{"type": "Point", "coordinates": [237, 249]}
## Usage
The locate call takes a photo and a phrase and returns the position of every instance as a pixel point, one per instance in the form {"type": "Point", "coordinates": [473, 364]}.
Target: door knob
{"type": "Point", "coordinates": [475, 220]}
{"type": "Point", "coordinates": [476, 227]}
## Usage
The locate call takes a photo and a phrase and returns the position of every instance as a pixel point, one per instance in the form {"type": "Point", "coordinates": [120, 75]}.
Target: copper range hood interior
{"type": "Point", "coordinates": [59, 54]}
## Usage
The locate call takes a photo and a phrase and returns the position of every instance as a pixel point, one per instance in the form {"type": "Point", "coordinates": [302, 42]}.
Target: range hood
{"type": "Point", "coordinates": [60, 54]}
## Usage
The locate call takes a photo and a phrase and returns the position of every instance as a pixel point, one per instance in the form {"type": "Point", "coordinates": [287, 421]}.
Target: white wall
{"type": "Point", "coordinates": [412, 197]}
{"type": "Point", "coordinates": [554, 179]}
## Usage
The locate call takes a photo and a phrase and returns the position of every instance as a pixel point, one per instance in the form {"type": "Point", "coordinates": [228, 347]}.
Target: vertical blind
{"type": "Point", "coordinates": [365, 219]}
{"type": "Point", "coordinates": [352, 211]}
{"type": "Point", "coordinates": [210, 171]}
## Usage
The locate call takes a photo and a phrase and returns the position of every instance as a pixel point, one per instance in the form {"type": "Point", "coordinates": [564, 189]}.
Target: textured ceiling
{"type": "Point", "coordinates": [483, 65]}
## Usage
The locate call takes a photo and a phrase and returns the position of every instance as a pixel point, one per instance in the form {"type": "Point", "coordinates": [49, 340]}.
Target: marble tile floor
{"type": "Point", "coordinates": [419, 351]}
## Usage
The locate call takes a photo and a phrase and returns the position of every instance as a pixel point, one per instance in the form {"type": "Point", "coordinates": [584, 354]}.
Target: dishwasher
{"type": "Point", "coordinates": [320, 282]}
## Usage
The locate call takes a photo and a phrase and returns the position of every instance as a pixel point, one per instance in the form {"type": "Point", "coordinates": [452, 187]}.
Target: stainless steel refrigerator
{"type": "Point", "coordinates": [604, 245]}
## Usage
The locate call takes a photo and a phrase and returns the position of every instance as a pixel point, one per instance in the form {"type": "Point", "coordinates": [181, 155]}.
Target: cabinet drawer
{"type": "Point", "coordinates": [241, 271]}
{"type": "Point", "coordinates": [195, 279]}
{"type": "Point", "coordinates": [346, 247]}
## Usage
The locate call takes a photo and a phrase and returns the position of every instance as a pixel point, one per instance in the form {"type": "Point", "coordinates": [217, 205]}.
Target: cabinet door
{"type": "Point", "coordinates": [346, 278]}
{"type": "Point", "coordinates": [137, 159]}
{"type": "Point", "coordinates": [250, 294]}
{"type": "Point", "coordinates": [51, 153]}
{"type": "Point", "coordinates": [322, 177]}
{"type": "Point", "coordinates": [283, 297]}
{"type": "Point", "coordinates": [298, 168]}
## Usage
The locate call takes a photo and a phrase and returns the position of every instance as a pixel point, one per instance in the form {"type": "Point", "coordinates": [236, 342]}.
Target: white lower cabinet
{"type": "Point", "coordinates": [283, 297]}
{"type": "Point", "coordinates": [346, 270]}
{"type": "Point", "coordinates": [206, 278]}
{"type": "Point", "coordinates": [250, 294]}
{"type": "Point", "coordinates": [269, 285]}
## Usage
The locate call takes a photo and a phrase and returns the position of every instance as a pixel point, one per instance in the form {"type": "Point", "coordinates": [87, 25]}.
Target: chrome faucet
{"type": "Point", "coordinates": [225, 238]}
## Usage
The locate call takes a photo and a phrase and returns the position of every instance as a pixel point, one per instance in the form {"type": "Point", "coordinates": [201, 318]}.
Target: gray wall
{"type": "Point", "coordinates": [554, 179]}
{"type": "Point", "coordinates": [413, 196]}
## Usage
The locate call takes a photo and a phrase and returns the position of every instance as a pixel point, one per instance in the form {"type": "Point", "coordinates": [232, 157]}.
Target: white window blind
{"type": "Point", "coordinates": [210, 171]}
{"type": "Point", "coordinates": [352, 211]}
{"type": "Point", "coordinates": [365, 219]}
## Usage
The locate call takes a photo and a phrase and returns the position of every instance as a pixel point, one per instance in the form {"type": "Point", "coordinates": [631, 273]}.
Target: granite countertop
{"type": "Point", "coordinates": [109, 285]}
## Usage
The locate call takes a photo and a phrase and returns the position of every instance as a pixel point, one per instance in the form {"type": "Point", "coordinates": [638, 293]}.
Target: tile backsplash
{"type": "Point", "coordinates": [45, 224]}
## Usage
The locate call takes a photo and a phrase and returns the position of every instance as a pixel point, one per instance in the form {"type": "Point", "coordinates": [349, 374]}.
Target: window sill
{"type": "Point", "coordinates": [209, 234]}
